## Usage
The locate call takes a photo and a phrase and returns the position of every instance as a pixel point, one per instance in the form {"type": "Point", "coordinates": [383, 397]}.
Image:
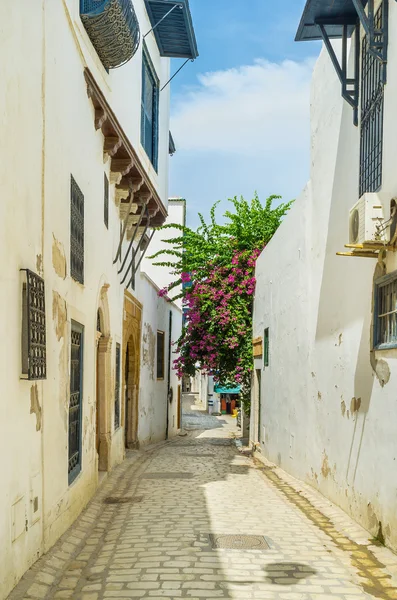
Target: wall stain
{"type": "Point", "coordinates": [319, 396]}
{"type": "Point", "coordinates": [58, 258]}
{"type": "Point", "coordinates": [59, 314]}
{"type": "Point", "coordinates": [355, 405]}
{"type": "Point", "coordinates": [35, 407]}
{"type": "Point", "coordinates": [39, 264]}
{"type": "Point", "coordinates": [149, 348]}
{"type": "Point", "coordinates": [343, 408]}
{"type": "Point", "coordinates": [325, 468]}
{"type": "Point", "coordinates": [374, 578]}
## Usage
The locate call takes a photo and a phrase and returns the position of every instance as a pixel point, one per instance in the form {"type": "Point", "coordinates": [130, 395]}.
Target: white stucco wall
{"type": "Point", "coordinates": [152, 423]}
{"type": "Point", "coordinates": [318, 309]}
{"type": "Point", "coordinates": [48, 127]}
{"type": "Point", "coordinates": [164, 276]}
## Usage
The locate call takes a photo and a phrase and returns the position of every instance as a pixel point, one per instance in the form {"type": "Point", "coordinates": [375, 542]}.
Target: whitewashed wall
{"type": "Point", "coordinates": [48, 134]}
{"type": "Point", "coordinates": [153, 399]}
{"type": "Point", "coordinates": [164, 276]}
{"type": "Point", "coordinates": [325, 416]}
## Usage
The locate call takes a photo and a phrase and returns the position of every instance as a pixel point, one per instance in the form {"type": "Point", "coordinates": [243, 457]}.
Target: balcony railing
{"type": "Point", "coordinates": [113, 28]}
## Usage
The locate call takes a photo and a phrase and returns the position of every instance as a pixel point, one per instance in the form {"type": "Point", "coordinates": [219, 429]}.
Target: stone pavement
{"type": "Point", "coordinates": [146, 532]}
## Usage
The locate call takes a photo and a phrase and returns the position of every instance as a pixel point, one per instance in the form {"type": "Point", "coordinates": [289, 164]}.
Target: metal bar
{"type": "Point", "coordinates": [385, 29]}
{"type": "Point", "coordinates": [175, 74]}
{"type": "Point", "coordinates": [118, 253]}
{"type": "Point", "coordinates": [132, 240]}
{"type": "Point", "coordinates": [331, 53]}
{"type": "Point", "coordinates": [161, 20]}
{"type": "Point", "coordinates": [363, 17]}
{"type": "Point", "coordinates": [141, 257]}
{"type": "Point", "coordinates": [344, 60]}
{"type": "Point", "coordinates": [356, 74]}
{"type": "Point", "coordinates": [391, 312]}
{"type": "Point", "coordinates": [133, 257]}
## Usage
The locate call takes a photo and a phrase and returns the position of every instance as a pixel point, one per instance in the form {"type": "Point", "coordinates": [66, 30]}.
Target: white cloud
{"type": "Point", "coordinates": [259, 109]}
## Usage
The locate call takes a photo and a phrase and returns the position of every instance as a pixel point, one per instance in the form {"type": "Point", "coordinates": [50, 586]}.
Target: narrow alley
{"type": "Point", "coordinates": [196, 518]}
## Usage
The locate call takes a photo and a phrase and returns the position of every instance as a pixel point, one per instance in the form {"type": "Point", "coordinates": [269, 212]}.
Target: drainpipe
{"type": "Point", "coordinates": [169, 396]}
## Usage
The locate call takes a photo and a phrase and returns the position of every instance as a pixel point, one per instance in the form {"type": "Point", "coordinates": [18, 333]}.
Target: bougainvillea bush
{"type": "Point", "coordinates": [216, 265]}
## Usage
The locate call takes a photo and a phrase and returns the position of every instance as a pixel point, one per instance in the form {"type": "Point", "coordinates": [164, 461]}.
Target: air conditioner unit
{"type": "Point", "coordinates": [366, 220]}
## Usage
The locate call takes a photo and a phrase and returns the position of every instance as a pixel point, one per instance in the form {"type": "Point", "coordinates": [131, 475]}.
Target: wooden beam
{"type": "Point", "coordinates": [358, 254]}
{"type": "Point", "coordinates": [370, 246]}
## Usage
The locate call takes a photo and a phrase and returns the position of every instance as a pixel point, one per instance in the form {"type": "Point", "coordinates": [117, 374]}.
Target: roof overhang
{"type": "Point", "coordinates": [332, 14]}
{"type": "Point", "coordinates": [126, 169]}
{"type": "Point", "coordinates": [175, 33]}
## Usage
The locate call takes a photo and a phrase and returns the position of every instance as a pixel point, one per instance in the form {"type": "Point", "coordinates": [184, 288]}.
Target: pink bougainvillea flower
{"type": "Point", "coordinates": [186, 277]}
{"type": "Point", "coordinates": [163, 292]}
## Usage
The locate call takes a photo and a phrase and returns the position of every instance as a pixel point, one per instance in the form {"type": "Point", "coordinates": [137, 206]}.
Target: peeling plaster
{"type": "Point", "coordinates": [58, 258]}
{"type": "Point", "coordinates": [149, 348]}
{"type": "Point", "coordinates": [355, 405]}
{"type": "Point", "coordinates": [59, 314]}
{"type": "Point", "coordinates": [35, 407]}
{"type": "Point", "coordinates": [382, 371]}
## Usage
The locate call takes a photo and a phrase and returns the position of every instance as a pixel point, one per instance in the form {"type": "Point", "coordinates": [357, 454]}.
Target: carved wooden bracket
{"type": "Point", "coordinates": [111, 145]}
{"type": "Point", "coordinates": [127, 170]}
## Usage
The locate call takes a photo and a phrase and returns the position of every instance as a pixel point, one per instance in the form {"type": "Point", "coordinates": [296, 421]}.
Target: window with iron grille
{"type": "Point", "coordinates": [266, 348]}
{"type": "Point", "coordinates": [117, 389]}
{"type": "Point", "coordinates": [385, 317]}
{"type": "Point", "coordinates": [76, 400]}
{"type": "Point", "coordinates": [372, 94]}
{"type": "Point", "coordinates": [160, 354]}
{"type": "Point", "coordinates": [106, 202]}
{"type": "Point", "coordinates": [149, 109]}
{"type": "Point", "coordinates": [34, 355]}
{"type": "Point", "coordinates": [76, 232]}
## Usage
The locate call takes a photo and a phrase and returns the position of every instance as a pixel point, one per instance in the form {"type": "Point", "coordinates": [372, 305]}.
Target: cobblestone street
{"type": "Point", "coordinates": [146, 534]}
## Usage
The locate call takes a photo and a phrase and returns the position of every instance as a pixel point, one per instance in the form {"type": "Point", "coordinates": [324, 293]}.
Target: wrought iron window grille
{"type": "Point", "coordinates": [75, 401]}
{"type": "Point", "coordinates": [385, 312]}
{"type": "Point", "coordinates": [117, 388]}
{"type": "Point", "coordinates": [76, 232]}
{"type": "Point", "coordinates": [106, 201]}
{"type": "Point", "coordinates": [373, 75]}
{"type": "Point", "coordinates": [113, 28]}
{"type": "Point", "coordinates": [33, 342]}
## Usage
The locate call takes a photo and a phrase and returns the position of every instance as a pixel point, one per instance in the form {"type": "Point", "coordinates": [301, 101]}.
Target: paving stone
{"type": "Point", "coordinates": [158, 549]}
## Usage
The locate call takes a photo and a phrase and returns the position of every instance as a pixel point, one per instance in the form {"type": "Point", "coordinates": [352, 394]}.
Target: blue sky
{"type": "Point", "coordinates": [240, 112]}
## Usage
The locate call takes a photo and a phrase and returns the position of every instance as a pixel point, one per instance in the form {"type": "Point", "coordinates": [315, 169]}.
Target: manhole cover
{"type": "Point", "coordinates": [123, 500]}
{"type": "Point", "coordinates": [167, 476]}
{"type": "Point", "coordinates": [239, 542]}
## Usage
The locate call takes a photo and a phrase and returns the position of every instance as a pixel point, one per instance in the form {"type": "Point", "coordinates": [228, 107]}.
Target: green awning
{"type": "Point", "coordinates": [221, 389]}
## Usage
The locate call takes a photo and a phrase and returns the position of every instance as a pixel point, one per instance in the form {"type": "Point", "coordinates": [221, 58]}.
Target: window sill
{"type": "Point", "coordinates": [385, 347]}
